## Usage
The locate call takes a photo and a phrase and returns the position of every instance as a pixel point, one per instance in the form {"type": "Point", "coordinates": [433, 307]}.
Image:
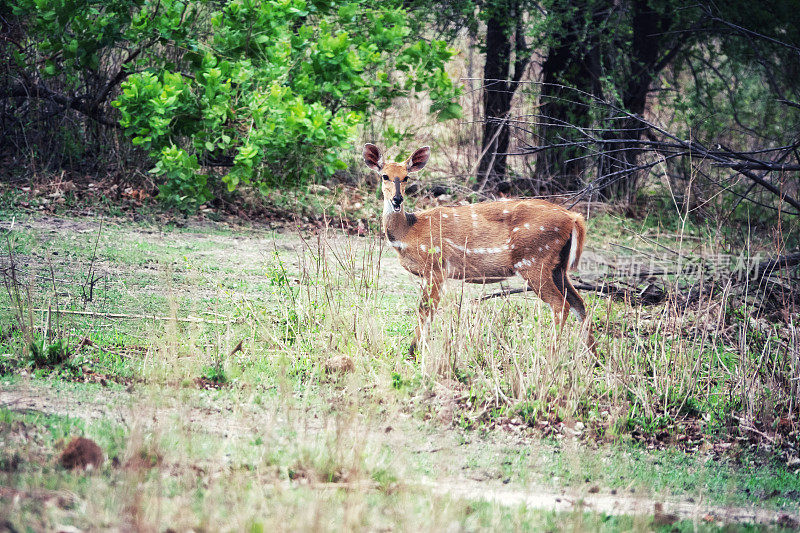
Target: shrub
{"type": "Point", "coordinates": [246, 92]}
{"type": "Point", "coordinates": [275, 92]}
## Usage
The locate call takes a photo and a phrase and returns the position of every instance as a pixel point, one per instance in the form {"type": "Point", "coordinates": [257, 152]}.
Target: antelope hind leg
{"type": "Point", "coordinates": [579, 308]}
{"type": "Point", "coordinates": [549, 292]}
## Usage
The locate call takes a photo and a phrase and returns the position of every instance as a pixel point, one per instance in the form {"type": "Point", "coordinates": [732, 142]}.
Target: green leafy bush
{"type": "Point", "coordinates": [275, 92]}
{"type": "Point", "coordinates": [241, 93]}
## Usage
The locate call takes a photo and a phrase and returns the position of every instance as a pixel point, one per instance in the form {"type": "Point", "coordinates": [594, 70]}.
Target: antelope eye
{"type": "Point", "coordinates": [405, 179]}
{"type": "Point", "coordinates": [385, 177]}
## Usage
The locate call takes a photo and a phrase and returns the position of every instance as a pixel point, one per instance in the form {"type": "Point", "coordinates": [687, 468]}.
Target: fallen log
{"type": "Point", "coordinates": [653, 293]}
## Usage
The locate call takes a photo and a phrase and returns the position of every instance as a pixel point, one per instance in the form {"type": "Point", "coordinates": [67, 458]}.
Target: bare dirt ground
{"type": "Point", "coordinates": [256, 245]}
{"type": "Point", "coordinates": [440, 446]}
{"type": "Point", "coordinates": [228, 419]}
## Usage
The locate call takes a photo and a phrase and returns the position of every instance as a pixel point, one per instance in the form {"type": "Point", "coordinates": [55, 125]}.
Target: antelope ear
{"type": "Point", "coordinates": [418, 159]}
{"type": "Point", "coordinates": [373, 157]}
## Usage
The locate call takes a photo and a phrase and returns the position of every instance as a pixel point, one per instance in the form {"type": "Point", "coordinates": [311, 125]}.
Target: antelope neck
{"type": "Point", "coordinates": [398, 224]}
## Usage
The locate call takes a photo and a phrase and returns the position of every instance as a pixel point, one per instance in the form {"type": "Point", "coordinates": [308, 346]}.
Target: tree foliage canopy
{"type": "Point", "coordinates": [270, 90]}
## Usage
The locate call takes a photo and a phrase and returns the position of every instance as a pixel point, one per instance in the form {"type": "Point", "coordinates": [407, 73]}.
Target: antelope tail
{"type": "Point", "coordinates": [576, 241]}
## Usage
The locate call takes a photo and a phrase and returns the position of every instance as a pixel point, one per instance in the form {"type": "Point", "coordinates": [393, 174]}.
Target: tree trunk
{"type": "Point", "coordinates": [496, 99]}
{"type": "Point", "coordinates": [617, 170]}
{"type": "Point", "coordinates": [572, 75]}
{"type": "Point", "coordinates": [562, 108]}
{"type": "Point", "coordinates": [501, 39]}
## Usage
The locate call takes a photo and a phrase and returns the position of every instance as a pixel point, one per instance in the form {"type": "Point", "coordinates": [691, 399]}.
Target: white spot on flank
{"type": "Point", "coordinates": [524, 263]}
{"type": "Point", "coordinates": [527, 226]}
{"type": "Point", "coordinates": [505, 247]}
{"type": "Point", "coordinates": [505, 211]}
{"type": "Point", "coordinates": [540, 248]}
{"type": "Point", "coordinates": [546, 247]}
{"type": "Point", "coordinates": [444, 215]}
{"type": "Point", "coordinates": [398, 244]}
{"type": "Point", "coordinates": [454, 245]}
{"type": "Point", "coordinates": [515, 229]}
{"type": "Point", "coordinates": [422, 247]}
{"type": "Point", "coordinates": [512, 246]}
{"type": "Point", "coordinates": [474, 216]}
{"type": "Point", "coordinates": [541, 228]}
{"type": "Point", "coordinates": [455, 215]}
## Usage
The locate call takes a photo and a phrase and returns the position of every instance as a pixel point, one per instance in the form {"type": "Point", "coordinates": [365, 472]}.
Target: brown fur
{"type": "Point", "coordinates": [81, 453]}
{"type": "Point", "coordinates": [482, 243]}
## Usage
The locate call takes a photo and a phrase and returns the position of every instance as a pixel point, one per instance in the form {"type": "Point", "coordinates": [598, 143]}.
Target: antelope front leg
{"type": "Point", "coordinates": [431, 293]}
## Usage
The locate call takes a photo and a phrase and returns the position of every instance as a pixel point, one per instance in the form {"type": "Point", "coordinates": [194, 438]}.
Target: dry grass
{"type": "Point", "coordinates": [287, 444]}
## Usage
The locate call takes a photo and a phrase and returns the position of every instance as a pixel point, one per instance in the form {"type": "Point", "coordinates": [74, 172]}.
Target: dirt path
{"type": "Point", "coordinates": [665, 511]}
{"type": "Point", "coordinates": [229, 420]}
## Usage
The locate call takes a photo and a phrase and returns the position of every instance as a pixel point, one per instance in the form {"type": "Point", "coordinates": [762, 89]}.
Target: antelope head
{"type": "Point", "coordinates": [394, 175]}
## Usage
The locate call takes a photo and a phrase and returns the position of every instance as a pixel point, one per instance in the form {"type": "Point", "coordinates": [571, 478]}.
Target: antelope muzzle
{"type": "Point", "coordinates": [397, 199]}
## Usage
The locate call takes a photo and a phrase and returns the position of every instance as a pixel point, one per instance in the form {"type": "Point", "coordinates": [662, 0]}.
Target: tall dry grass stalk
{"type": "Point", "coordinates": [331, 296]}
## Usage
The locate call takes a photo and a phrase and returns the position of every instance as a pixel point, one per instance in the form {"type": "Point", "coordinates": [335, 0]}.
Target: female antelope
{"type": "Point", "coordinates": [482, 243]}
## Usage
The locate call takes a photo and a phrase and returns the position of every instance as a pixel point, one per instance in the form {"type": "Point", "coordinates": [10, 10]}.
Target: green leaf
{"type": "Point", "coordinates": [450, 111]}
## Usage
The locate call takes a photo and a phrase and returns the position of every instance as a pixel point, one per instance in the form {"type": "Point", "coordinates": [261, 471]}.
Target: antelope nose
{"type": "Point", "coordinates": [396, 201]}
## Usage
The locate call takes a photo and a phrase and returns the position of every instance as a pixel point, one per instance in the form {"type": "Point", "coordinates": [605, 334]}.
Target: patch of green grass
{"type": "Point", "coordinates": [293, 457]}
{"type": "Point", "coordinates": [673, 472]}
{"type": "Point", "coordinates": [293, 301]}
{"type": "Point", "coordinates": [56, 429]}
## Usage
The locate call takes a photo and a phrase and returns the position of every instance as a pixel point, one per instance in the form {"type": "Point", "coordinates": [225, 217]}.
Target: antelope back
{"type": "Point", "coordinates": [492, 240]}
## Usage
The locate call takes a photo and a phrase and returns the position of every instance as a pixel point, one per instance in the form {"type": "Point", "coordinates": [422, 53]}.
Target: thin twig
{"type": "Point", "coordinates": [191, 319]}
